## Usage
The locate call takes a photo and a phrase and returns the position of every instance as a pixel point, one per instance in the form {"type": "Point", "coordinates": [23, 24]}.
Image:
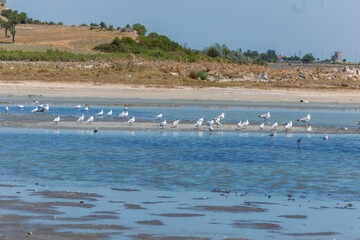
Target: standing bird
{"type": "Point", "coordinates": [326, 137]}
{"type": "Point", "coordinates": [6, 109]}
{"type": "Point", "coordinates": [175, 124]}
{"type": "Point", "coordinates": [221, 116]}
{"type": "Point", "coordinates": [162, 124]}
{"type": "Point", "coordinates": [90, 119]}
{"type": "Point", "coordinates": [239, 124]}
{"type": "Point", "coordinates": [272, 135]}
{"type": "Point", "coordinates": [35, 109]}
{"type": "Point", "coordinates": [201, 120]}
{"type": "Point", "coordinates": [358, 123]}
{"type": "Point", "coordinates": [245, 124]}
{"type": "Point", "coordinates": [265, 116]}
{"type": "Point", "coordinates": [299, 141]}
{"type": "Point", "coordinates": [211, 129]}
{"type": "Point", "coordinates": [86, 108]}
{"type": "Point", "coordinates": [20, 107]}
{"type": "Point", "coordinates": [275, 125]}
{"type": "Point", "coordinates": [217, 122]}
{"type": "Point", "coordinates": [56, 120]}
{"type": "Point", "coordinates": [305, 119]}
{"type": "Point", "coordinates": [44, 109]}
{"type": "Point", "coordinates": [81, 118]}
{"type": "Point", "coordinates": [159, 116]}
{"type": "Point", "coordinates": [288, 126]}
{"type": "Point", "coordinates": [95, 132]}
{"type": "Point", "coordinates": [209, 123]}
{"type": "Point", "coordinates": [309, 129]}
{"type": "Point", "coordinates": [126, 107]}
{"type": "Point", "coordinates": [78, 106]}
{"type": "Point", "coordinates": [131, 121]}
{"type": "Point", "coordinates": [124, 114]}
{"type": "Point", "coordinates": [262, 126]}
{"type": "Point", "coordinates": [109, 113]}
{"type": "Point", "coordinates": [198, 124]}
{"type": "Point", "coordinates": [100, 113]}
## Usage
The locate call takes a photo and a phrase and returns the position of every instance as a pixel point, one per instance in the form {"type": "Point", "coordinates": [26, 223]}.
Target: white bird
{"type": "Point", "coordinates": [20, 107]}
{"type": "Point", "coordinates": [90, 119]}
{"type": "Point", "coordinates": [239, 124]}
{"type": "Point", "coordinates": [221, 116]}
{"type": "Point", "coordinates": [305, 119]}
{"type": "Point", "coordinates": [198, 124]}
{"type": "Point", "coordinates": [159, 115]}
{"type": "Point", "coordinates": [81, 118]}
{"type": "Point", "coordinates": [131, 120]}
{"type": "Point", "coordinates": [124, 114]}
{"type": "Point", "coordinates": [6, 109]}
{"type": "Point", "coordinates": [265, 116]}
{"type": "Point", "coordinates": [86, 108]}
{"type": "Point", "coordinates": [176, 123]}
{"type": "Point", "coordinates": [126, 107]}
{"type": "Point", "coordinates": [201, 120]}
{"type": "Point", "coordinates": [245, 124]}
{"type": "Point", "coordinates": [217, 122]}
{"type": "Point", "coordinates": [44, 109]}
{"type": "Point", "coordinates": [289, 125]}
{"type": "Point", "coordinates": [109, 113]}
{"type": "Point", "coordinates": [78, 106]}
{"type": "Point", "coordinates": [211, 129]}
{"type": "Point", "coordinates": [100, 113]}
{"type": "Point", "coordinates": [326, 137]}
{"type": "Point", "coordinates": [56, 120]}
{"type": "Point", "coordinates": [162, 124]}
{"type": "Point", "coordinates": [35, 109]}
{"type": "Point", "coordinates": [211, 122]}
{"type": "Point", "coordinates": [262, 125]}
{"type": "Point", "coordinates": [274, 126]}
{"type": "Point", "coordinates": [309, 129]}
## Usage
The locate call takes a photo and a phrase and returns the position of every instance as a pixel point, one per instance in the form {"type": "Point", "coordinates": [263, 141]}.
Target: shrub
{"type": "Point", "coordinates": [202, 75]}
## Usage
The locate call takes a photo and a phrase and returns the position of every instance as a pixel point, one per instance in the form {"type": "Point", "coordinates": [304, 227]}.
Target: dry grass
{"type": "Point", "coordinates": [63, 37]}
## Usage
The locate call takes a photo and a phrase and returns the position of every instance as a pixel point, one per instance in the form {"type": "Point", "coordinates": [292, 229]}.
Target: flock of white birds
{"type": "Point", "coordinates": [217, 121]}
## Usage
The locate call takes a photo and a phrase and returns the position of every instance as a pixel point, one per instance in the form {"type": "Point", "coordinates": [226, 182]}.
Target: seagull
{"type": "Point", "coordinates": [81, 119]}
{"type": "Point", "coordinates": [245, 124]}
{"type": "Point", "coordinates": [265, 116]}
{"type": "Point", "coordinates": [44, 109]}
{"type": "Point", "coordinates": [211, 122]}
{"type": "Point", "coordinates": [262, 126]}
{"type": "Point", "coordinates": [159, 115]}
{"type": "Point", "coordinates": [221, 116]}
{"type": "Point", "coordinates": [309, 129]}
{"type": "Point", "coordinates": [201, 120]}
{"type": "Point", "coordinates": [217, 122]}
{"type": "Point", "coordinates": [57, 120]}
{"type": "Point", "coordinates": [126, 107]}
{"type": "Point", "coordinates": [109, 113]}
{"type": "Point", "coordinates": [6, 109]}
{"type": "Point", "coordinates": [90, 119]}
{"type": "Point", "coordinates": [86, 108]}
{"type": "Point", "coordinates": [288, 126]}
{"type": "Point", "coordinates": [198, 124]}
{"type": "Point", "coordinates": [211, 129]}
{"type": "Point", "coordinates": [326, 137]}
{"type": "Point", "coordinates": [239, 124]}
{"type": "Point", "coordinates": [274, 126]}
{"type": "Point", "coordinates": [162, 124]}
{"type": "Point", "coordinates": [131, 120]}
{"type": "Point", "coordinates": [124, 114]}
{"type": "Point", "coordinates": [35, 99]}
{"type": "Point", "coordinates": [100, 113]}
{"type": "Point", "coordinates": [78, 106]}
{"type": "Point", "coordinates": [304, 119]}
{"type": "Point", "coordinates": [35, 109]}
{"type": "Point", "coordinates": [304, 101]}
{"type": "Point", "coordinates": [20, 107]}
{"type": "Point", "coordinates": [358, 123]}
{"type": "Point", "coordinates": [176, 123]}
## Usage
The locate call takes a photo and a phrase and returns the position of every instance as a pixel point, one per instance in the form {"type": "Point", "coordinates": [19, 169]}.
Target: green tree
{"type": "Point", "coordinates": [141, 29]}
{"type": "Point", "coordinates": [13, 20]}
{"type": "Point", "coordinates": [308, 58]}
{"type": "Point", "coordinates": [212, 52]}
{"type": "Point", "coordinates": [344, 60]}
{"type": "Point", "coordinates": [128, 26]}
{"type": "Point", "coordinates": [103, 25]}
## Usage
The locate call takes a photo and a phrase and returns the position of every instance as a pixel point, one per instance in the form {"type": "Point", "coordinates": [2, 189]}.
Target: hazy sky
{"type": "Point", "coordinates": [317, 26]}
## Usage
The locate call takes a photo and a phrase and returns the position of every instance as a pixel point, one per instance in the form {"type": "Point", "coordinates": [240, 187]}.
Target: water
{"type": "Point", "coordinates": [184, 161]}
{"type": "Point", "coordinates": [323, 117]}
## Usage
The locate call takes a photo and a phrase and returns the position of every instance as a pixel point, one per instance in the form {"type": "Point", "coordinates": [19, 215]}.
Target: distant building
{"type": "Point", "coordinates": [281, 58]}
{"type": "Point", "coordinates": [337, 57]}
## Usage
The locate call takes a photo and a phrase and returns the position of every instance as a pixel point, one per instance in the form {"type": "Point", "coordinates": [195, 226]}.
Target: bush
{"type": "Point", "coordinates": [198, 74]}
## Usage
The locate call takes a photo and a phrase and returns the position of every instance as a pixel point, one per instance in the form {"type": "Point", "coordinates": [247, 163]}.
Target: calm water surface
{"type": "Point", "coordinates": [184, 161]}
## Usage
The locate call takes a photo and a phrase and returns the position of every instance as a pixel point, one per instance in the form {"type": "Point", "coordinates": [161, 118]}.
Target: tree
{"type": "Point", "coordinates": [103, 25]}
{"type": "Point", "coordinates": [13, 20]}
{"type": "Point", "coordinates": [344, 60]}
{"type": "Point", "coordinates": [128, 26]}
{"type": "Point", "coordinates": [308, 58]}
{"type": "Point", "coordinates": [212, 52]}
{"type": "Point", "coordinates": [141, 29]}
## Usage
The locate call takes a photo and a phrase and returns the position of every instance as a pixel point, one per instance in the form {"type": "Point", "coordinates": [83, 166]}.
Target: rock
{"type": "Point", "coordinates": [302, 75]}
{"type": "Point", "coordinates": [174, 73]}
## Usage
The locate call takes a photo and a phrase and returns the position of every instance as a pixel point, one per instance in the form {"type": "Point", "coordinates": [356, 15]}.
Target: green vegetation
{"type": "Point", "coordinates": [49, 55]}
{"type": "Point", "coordinates": [308, 58]}
{"type": "Point", "coordinates": [141, 29]}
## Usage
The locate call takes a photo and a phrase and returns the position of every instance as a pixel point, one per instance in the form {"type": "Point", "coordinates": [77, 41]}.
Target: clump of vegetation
{"type": "Point", "coordinates": [198, 74]}
{"type": "Point", "coordinates": [49, 55]}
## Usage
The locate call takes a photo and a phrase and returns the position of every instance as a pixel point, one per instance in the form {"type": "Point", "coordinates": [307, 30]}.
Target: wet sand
{"type": "Point", "coordinates": [41, 212]}
{"type": "Point", "coordinates": [46, 122]}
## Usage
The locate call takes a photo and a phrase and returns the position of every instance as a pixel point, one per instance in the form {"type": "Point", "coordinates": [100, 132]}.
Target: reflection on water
{"type": "Point", "coordinates": [185, 160]}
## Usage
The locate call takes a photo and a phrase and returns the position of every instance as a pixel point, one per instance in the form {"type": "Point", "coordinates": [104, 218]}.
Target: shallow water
{"type": "Point", "coordinates": [341, 117]}
{"type": "Point", "coordinates": [185, 161]}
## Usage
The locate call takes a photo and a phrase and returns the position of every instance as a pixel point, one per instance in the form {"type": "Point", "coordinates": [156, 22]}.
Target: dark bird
{"type": "Point", "coordinates": [299, 141]}
{"type": "Point", "coordinates": [95, 132]}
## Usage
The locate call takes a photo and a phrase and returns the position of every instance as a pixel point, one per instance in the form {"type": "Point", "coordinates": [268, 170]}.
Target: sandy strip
{"type": "Point", "coordinates": [10, 91]}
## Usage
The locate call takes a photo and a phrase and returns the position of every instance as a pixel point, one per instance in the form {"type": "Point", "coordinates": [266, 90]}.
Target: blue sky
{"type": "Point", "coordinates": [317, 26]}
